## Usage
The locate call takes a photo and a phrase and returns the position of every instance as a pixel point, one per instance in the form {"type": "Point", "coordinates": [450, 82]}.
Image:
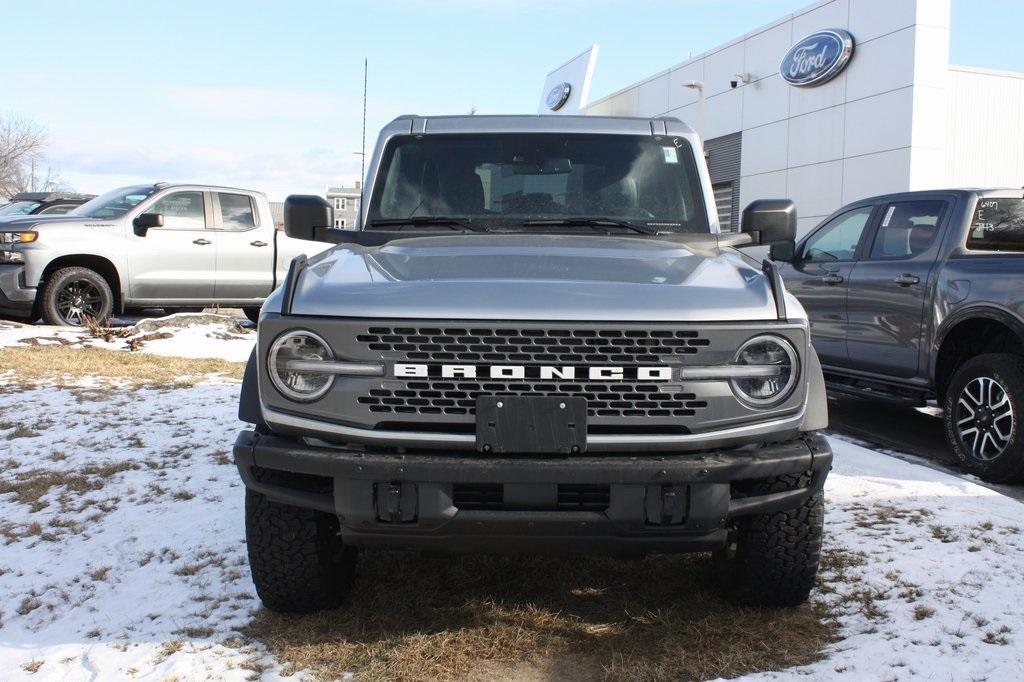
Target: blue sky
{"type": "Point", "coordinates": [269, 95]}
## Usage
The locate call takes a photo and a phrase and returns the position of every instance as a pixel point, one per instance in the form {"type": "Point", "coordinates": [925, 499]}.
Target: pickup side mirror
{"type": "Point", "coordinates": [307, 216]}
{"type": "Point", "coordinates": [771, 221]}
{"type": "Point", "coordinates": [144, 221]}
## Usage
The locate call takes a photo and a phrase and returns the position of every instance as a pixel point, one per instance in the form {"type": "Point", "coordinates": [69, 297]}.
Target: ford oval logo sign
{"type": "Point", "coordinates": [818, 58]}
{"type": "Point", "coordinates": [558, 96]}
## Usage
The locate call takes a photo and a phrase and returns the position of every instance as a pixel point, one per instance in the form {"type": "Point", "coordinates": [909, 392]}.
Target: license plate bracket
{"type": "Point", "coordinates": [531, 424]}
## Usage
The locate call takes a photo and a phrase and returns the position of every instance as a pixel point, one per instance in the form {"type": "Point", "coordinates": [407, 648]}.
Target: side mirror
{"type": "Point", "coordinates": [770, 221]}
{"type": "Point", "coordinates": [307, 216]}
{"type": "Point", "coordinates": [144, 221]}
{"type": "Point", "coordinates": [783, 252]}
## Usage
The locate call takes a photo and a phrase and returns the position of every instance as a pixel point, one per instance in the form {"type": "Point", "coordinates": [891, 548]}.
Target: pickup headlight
{"type": "Point", "coordinates": [291, 362]}
{"type": "Point", "coordinates": [776, 377]}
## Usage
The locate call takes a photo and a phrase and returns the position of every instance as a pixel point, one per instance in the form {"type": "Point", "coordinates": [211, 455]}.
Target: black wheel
{"type": "Point", "coordinates": [73, 295]}
{"type": "Point", "coordinates": [253, 314]}
{"type": "Point", "coordinates": [772, 559]}
{"type": "Point", "coordinates": [298, 562]}
{"type": "Point", "coordinates": [982, 412]}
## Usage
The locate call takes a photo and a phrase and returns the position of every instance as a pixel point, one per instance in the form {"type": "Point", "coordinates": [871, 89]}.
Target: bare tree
{"type": "Point", "coordinates": [22, 143]}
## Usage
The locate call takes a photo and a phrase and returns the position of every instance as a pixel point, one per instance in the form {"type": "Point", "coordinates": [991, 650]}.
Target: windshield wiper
{"type": "Point", "coordinates": [594, 222]}
{"type": "Point", "coordinates": [427, 220]}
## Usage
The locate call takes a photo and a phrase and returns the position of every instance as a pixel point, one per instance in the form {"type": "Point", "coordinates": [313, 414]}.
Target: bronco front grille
{"type": "Point", "coordinates": [525, 346]}
{"type": "Point", "coordinates": [504, 345]}
{"type": "Point", "coordinates": [603, 399]}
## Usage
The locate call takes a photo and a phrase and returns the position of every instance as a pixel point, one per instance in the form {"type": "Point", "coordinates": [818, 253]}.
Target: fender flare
{"type": "Point", "coordinates": [985, 312]}
{"type": "Point", "coordinates": [816, 413]}
{"type": "Point", "coordinates": [249, 398]}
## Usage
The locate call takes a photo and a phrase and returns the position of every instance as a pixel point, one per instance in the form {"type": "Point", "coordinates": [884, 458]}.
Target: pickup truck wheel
{"type": "Point", "coordinates": [253, 314]}
{"type": "Point", "coordinates": [73, 295]}
{"type": "Point", "coordinates": [298, 562]}
{"type": "Point", "coordinates": [982, 416]}
{"type": "Point", "coordinates": [772, 559]}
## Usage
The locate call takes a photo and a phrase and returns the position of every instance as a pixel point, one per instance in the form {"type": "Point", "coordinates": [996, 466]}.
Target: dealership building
{"type": "Point", "coordinates": [841, 100]}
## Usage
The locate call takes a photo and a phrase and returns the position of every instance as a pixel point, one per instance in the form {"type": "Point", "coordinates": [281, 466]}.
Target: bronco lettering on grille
{"type": "Point", "coordinates": [543, 372]}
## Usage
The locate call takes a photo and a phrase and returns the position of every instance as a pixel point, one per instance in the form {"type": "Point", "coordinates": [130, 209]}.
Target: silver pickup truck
{"type": "Point", "coordinates": [162, 245]}
{"type": "Point", "coordinates": [538, 341]}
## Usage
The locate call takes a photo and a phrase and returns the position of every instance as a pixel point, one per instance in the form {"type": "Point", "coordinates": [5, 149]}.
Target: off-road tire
{"type": "Point", "coordinates": [56, 283]}
{"type": "Point", "coordinates": [253, 314]}
{"type": "Point", "coordinates": [1008, 371]}
{"type": "Point", "coordinates": [298, 562]}
{"type": "Point", "coordinates": [773, 558]}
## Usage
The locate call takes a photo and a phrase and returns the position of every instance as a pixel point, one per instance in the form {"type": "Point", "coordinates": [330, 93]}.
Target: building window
{"type": "Point", "coordinates": [337, 204]}
{"type": "Point", "coordinates": [723, 201]}
{"type": "Point", "coordinates": [342, 203]}
{"type": "Point", "coordinates": [339, 223]}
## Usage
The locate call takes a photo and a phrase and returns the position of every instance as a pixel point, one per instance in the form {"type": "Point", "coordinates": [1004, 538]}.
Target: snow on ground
{"type": "Point", "coordinates": [122, 547]}
{"type": "Point", "coordinates": [189, 335]}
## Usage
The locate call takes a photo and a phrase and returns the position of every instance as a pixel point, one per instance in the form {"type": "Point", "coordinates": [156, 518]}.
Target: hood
{"type": "Point", "coordinates": [25, 222]}
{"type": "Point", "coordinates": [535, 277]}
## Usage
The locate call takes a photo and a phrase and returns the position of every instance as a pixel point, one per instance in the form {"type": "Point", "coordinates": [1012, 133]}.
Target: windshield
{"type": "Point", "coordinates": [19, 208]}
{"type": "Point", "coordinates": [114, 203]}
{"type": "Point", "coordinates": [504, 180]}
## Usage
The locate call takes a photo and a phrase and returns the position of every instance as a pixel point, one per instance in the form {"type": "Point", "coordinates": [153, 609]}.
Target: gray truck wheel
{"type": "Point", "coordinates": [253, 314]}
{"type": "Point", "coordinates": [772, 559]}
{"type": "Point", "coordinates": [298, 562]}
{"type": "Point", "coordinates": [982, 416]}
{"type": "Point", "coordinates": [73, 295]}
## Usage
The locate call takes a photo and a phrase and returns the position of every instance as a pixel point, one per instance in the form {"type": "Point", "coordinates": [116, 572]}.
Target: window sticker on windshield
{"type": "Point", "coordinates": [670, 155]}
{"type": "Point", "coordinates": [888, 216]}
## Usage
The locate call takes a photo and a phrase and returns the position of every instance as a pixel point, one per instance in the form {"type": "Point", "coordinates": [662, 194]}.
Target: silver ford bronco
{"type": "Point", "coordinates": [537, 341]}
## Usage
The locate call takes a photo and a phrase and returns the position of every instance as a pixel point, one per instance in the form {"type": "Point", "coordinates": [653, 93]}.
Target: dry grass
{"type": "Point", "coordinates": [422, 617]}
{"type": "Point", "coordinates": [31, 486]}
{"type": "Point", "coordinates": [62, 365]}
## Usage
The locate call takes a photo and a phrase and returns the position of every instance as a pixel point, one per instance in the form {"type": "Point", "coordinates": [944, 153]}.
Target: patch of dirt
{"type": "Point", "coordinates": [415, 617]}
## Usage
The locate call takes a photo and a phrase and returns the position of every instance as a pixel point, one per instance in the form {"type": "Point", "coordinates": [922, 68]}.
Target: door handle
{"type": "Point", "coordinates": [832, 278]}
{"type": "Point", "coordinates": [257, 243]}
{"type": "Point", "coordinates": [906, 279]}
{"type": "Point", "coordinates": [201, 242]}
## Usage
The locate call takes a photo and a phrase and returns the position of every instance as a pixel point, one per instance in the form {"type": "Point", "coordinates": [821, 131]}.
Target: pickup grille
{"type": "Point", "coordinates": [510, 345]}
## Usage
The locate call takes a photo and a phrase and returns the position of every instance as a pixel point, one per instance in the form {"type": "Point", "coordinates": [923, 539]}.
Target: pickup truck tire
{"type": "Point", "coordinates": [983, 408]}
{"type": "Point", "coordinates": [298, 562]}
{"type": "Point", "coordinates": [71, 295]}
{"type": "Point", "coordinates": [773, 558]}
{"type": "Point", "coordinates": [253, 314]}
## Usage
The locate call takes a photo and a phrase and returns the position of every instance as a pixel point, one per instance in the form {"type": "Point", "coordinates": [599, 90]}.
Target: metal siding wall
{"type": "Point", "coordinates": [985, 138]}
{"type": "Point", "coordinates": [724, 154]}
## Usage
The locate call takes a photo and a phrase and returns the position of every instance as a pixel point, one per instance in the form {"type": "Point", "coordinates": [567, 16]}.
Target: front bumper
{"type": "Point", "coordinates": [651, 502]}
{"type": "Point", "coordinates": [15, 298]}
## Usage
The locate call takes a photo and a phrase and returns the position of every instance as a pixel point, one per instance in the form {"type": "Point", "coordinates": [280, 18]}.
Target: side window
{"type": "Point", "coordinates": [837, 240]}
{"type": "Point", "coordinates": [236, 211]}
{"type": "Point", "coordinates": [998, 225]}
{"type": "Point", "coordinates": [57, 209]}
{"type": "Point", "coordinates": [181, 211]}
{"type": "Point", "coordinates": [908, 228]}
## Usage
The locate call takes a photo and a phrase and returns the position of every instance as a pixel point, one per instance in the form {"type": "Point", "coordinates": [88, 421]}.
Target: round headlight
{"type": "Point", "coordinates": [776, 373]}
{"type": "Point", "coordinates": [290, 372]}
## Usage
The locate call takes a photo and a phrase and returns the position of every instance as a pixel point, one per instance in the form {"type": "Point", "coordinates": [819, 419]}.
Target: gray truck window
{"type": "Point", "coordinates": [19, 208]}
{"type": "Point", "coordinates": [58, 209]}
{"type": "Point", "coordinates": [907, 229]}
{"type": "Point", "coordinates": [501, 180]}
{"type": "Point", "coordinates": [236, 212]}
{"type": "Point", "coordinates": [181, 211]}
{"type": "Point", "coordinates": [998, 225]}
{"type": "Point", "coordinates": [838, 239]}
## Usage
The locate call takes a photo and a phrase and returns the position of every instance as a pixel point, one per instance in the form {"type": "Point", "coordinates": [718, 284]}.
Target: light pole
{"type": "Point", "coordinates": [699, 87]}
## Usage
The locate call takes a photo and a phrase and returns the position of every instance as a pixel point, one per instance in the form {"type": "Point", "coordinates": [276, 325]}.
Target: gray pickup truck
{"type": "Point", "coordinates": [538, 341]}
{"type": "Point", "coordinates": [146, 246]}
{"type": "Point", "coordinates": [920, 295]}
